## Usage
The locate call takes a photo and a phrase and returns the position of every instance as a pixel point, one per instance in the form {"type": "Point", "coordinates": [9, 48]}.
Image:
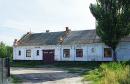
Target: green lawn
{"type": "Point", "coordinates": [72, 67]}
{"type": "Point", "coordinates": [65, 64]}
{"type": "Point", "coordinates": [26, 63]}
{"type": "Point", "coordinates": [77, 67]}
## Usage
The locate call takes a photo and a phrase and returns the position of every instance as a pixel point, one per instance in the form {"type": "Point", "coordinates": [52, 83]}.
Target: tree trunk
{"type": "Point", "coordinates": [114, 55]}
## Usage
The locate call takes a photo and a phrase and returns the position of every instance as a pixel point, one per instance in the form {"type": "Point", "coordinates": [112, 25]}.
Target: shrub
{"type": "Point", "coordinates": [110, 73]}
{"type": "Point", "coordinates": [3, 50]}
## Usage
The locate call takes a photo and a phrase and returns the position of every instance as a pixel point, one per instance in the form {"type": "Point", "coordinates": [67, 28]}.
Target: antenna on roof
{"type": "Point", "coordinates": [30, 29]}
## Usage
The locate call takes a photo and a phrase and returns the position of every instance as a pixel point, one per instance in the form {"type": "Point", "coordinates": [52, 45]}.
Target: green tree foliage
{"type": "Point", "coordinates": [10, 52]}
{"type": "Point", "coordinates": [113, 21]}
{"type": "Point", "coordinates": [3, 50]}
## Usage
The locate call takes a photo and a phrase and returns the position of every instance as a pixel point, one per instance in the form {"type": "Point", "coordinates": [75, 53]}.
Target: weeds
{"type": "Point", "coordinates": [110, 73]}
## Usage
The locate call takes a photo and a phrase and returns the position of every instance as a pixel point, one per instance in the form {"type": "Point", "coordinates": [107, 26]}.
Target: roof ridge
{"type": "Point", "coordinates": [63, 31]}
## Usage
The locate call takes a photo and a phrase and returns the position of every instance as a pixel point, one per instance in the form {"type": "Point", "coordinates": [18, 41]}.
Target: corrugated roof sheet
{"type": "Point", "coordinates": [52, 38]}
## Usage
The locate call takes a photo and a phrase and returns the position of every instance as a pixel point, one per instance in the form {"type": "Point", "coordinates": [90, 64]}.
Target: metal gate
{"type": "Point", "coordinates": [3, 71]}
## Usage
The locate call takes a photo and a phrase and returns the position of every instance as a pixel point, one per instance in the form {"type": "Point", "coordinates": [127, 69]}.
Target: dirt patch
{"type": "Point", "coordinates": [46, 76]}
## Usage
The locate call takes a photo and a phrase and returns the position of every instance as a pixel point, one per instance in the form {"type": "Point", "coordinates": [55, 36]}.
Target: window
{"type": "Point", "coordinates": [28, 53]}
{"type": "Point", "coordinates": [37, 52]}
{"type": "Point", "coordinates": [79, 52]}
{"type": "Point", "coordinates": [107, 52]}
{"type": "Point", "coordinates": [93, 50]}
{"type": "Point", "coordinates": [19, 52]}
{"type": "Point", "coordinates": [66, 53]}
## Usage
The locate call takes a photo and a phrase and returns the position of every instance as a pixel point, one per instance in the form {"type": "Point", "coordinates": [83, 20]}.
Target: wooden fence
{"type": "Point", "coordinates": [3, 71]}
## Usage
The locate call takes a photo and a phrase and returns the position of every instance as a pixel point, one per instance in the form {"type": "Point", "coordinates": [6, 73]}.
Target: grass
{"type": "Point", "coordinates": [70, 64]}
{"type": "Point", "coordinates": [71, 67]}
{"type": "Point", "coordinates": [109, 73]}
{"type": "Point", "coordinates": [26, 63]}
{"type": "Point", "coordinates": [65, 64]}
{"type": "Point", "coordinates": [77, 67]}
{"type": "Point", "coordinates": [97, 72]}
{"type": "Point", "coordinates": [16, 80]}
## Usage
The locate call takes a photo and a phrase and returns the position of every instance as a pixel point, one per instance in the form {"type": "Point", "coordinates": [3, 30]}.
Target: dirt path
{"type": "Point", "coordinates": [46, 76]}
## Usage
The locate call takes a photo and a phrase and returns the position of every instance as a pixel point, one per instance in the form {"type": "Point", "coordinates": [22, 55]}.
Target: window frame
{"type": "Point", "coordinates": [93, 50]}
{"type": "Point", "coordinates": [28, 53]}
{"type": "Point", "coordinates": [37, 52]}
{"type": "Point", "coordinates": [77, 52]}
{"type": "Point", "coordinates": [19, 52]}
{"type": "Point", "coordinates": [109, 51]}
{"type": "Point", "coordinates": [66, 51]}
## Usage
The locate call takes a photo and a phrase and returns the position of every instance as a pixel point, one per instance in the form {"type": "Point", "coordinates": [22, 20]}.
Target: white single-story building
{"type": "Point", "coordinates": [67, 45]}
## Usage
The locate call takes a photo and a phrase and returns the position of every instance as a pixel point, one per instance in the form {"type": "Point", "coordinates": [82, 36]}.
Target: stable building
{"type": "Point", "coordinates": [83, 45]}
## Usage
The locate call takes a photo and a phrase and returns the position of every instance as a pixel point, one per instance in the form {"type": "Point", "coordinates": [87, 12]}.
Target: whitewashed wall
{"type": "Point", "coordinates": [23, 53]}
{"type": "Point", "coordinates": [88, 55]}
{"type": "Point", "coordinates": [97, 54]}
{"type": "Point", "coordinates": [123, 51]}
{"type": "Point", "coordinates": [33, 52]}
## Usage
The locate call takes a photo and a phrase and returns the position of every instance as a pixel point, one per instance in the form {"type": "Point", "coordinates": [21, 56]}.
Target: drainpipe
{"type": "Point", "coordinates": [102, 52]}
{"type": "Point", "coordinates": [60, 52]}
{"type": "Point", "coordinates": [74, 53]}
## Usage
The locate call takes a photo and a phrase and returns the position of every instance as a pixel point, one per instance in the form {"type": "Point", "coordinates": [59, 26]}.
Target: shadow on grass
{"type": "Point", "coordinates": [62, 64]}
{"type": "Point", "coordinates": [15, 79]}
{"type": "Point", "coordinates": [26, 63]}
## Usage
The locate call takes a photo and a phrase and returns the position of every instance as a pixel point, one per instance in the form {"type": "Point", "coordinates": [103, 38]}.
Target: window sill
{"type": "Point", "coordinates": [79, 57]}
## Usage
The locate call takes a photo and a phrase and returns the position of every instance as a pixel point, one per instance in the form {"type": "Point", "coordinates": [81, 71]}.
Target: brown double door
{"type": "Point", "coordinates": [48, 56]}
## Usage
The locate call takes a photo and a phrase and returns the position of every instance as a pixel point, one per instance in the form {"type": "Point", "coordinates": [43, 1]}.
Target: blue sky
{"type": "Point", "coordinates": [19, 16]}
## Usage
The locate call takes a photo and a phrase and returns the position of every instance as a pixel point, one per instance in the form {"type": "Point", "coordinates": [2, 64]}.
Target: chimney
{"type": "Point", "coordinates": [28, 33]}
{"type": "Point", "coordinates": [15, 42]}
{"type": "Point", "coordinates": [47, 31]}
{"type": "Point", "coordinates": [67, 28]}
{"type": "Point", "coordinates": [67, 31]}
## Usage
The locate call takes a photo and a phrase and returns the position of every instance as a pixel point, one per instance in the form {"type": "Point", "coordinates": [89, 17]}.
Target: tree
{"type": "Point", "coordinates": [112, 21]}
{"type": "Point", "coordinates": [10, 52]}
{"type": "Point", "coordinates": [3, 50]}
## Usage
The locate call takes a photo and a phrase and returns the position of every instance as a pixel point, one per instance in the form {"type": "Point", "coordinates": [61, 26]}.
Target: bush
{"type": "Point", "coordinates": [3, 50]}
{"type": "Point", "coordinates": [10, 52]}
{"type": "Point", "coordinates": [110, 73]}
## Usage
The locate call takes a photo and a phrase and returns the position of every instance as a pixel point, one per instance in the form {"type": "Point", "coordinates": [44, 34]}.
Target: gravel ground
{"type": "Point", "coordinates": [46, 76]}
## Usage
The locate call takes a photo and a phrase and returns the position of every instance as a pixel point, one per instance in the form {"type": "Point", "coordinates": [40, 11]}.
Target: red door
{"type": "Point", "coordinates": [48, 56]}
